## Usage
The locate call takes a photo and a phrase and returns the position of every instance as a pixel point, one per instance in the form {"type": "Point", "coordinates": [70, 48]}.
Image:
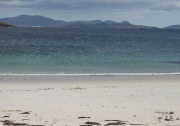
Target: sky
{"type": "Point", "coordinates": [159, 13]}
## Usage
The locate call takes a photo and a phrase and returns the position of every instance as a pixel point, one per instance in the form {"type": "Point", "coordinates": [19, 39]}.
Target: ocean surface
{"type": "Point", "coordinates": [84, 51]}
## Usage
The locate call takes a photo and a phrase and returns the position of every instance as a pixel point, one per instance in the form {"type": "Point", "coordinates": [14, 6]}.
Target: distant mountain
{"type": "Point", "coordinates": [110, 22]}
{"type": "Point", "coordinates": [4, 25]}
{"type": "Point", "coordinates": [173, 27]}
{"type": "Point", "coordinates": [26, 20]}
{"type": "Point", "coordinates": [35, 21]}
{"type": "Point", "coordinates": [85, 22]}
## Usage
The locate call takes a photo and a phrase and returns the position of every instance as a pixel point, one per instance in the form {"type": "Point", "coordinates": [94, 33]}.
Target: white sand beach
{"type": "Point", "coordinates": [89, 101]}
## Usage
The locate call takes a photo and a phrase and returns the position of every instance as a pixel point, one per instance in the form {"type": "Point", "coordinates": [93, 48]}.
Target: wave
{"type": "Point", "coordinates": [90, 74]}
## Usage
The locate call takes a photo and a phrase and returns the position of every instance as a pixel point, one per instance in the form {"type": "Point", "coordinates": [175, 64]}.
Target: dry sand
{"type": "Point", "coordinates": [89, 101]}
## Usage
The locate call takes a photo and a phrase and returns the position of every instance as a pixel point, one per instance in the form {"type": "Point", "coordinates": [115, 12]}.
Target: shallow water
{"type": "Point", "coordinates": [89, 51]}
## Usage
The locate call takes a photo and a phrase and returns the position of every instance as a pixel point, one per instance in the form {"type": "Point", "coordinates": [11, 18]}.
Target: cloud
{"type": "Point", "coordinates": [89, 5]}
{"type": "Point", "coordinates": [167, 5]}
{"type": "Point", "coordinates": [88, 9]}
{"type": "Point", "coordinates": [17, 3]}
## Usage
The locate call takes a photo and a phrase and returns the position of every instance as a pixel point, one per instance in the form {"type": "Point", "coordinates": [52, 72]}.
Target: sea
{"type": "Point", "coordinates": [89, 51]}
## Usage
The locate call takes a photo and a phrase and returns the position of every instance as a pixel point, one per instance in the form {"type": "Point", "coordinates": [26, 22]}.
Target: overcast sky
{"type": "Point", "coordinates": [158, 13]}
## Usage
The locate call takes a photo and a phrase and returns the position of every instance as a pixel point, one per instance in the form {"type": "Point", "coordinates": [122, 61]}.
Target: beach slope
{"type": "Point", "coordinates": [94, 100]}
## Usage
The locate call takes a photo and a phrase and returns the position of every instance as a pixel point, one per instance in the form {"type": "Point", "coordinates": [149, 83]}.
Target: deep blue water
{"type": "Point", "coordinates": [66, 50]}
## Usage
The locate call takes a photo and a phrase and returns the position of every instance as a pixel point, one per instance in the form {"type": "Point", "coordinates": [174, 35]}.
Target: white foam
{"type": "Point", "coordinates": [90, 74]}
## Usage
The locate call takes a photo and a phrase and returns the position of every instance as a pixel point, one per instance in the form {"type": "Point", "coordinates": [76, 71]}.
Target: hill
{"type": "Point", "coordinates": [173, 27]}
{"type": "Point", "coordinates": [27, 20]}
{"type": "Point", "coordinates": [40, 21]}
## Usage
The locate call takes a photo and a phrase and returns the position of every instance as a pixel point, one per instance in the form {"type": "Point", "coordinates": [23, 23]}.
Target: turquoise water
{"type": "Point", "coordinates": [84, 51]}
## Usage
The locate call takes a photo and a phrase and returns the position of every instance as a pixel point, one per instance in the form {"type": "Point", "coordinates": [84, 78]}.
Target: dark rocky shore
{"type": "Point", "coordinates": [5, 25]}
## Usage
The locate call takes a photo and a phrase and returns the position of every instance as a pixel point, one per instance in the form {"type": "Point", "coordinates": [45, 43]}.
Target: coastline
{"type": "Point", "coordinates": [151, 100]}
{"type": "Point", "coordinates": [8, 77]}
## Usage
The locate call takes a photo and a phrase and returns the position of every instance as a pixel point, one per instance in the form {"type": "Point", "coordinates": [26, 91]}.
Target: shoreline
{"type": "Point", "coordinates": [61, 78]}
{"type": "Point", "coordinates": [89, 74]}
